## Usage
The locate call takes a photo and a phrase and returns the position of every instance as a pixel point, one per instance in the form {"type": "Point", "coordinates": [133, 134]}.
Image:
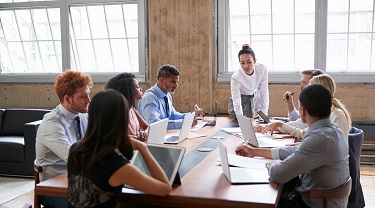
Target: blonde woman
{"type": "Point", "coordinates": [339, 114]}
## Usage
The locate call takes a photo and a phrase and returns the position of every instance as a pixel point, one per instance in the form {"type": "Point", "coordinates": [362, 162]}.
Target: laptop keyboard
{"type": "Point", "coordinates": [171, 139]}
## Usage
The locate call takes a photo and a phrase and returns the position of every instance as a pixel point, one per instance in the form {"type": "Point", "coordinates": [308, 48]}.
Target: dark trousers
{"type": "Point", "coordinates": [54, 202]}
{"type": "Point", "coordinates": [290, 198]}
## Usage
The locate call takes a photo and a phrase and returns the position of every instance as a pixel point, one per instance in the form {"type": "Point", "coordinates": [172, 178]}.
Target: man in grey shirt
{"type": "Point", "coordinates": [321, 161]}
{"type": "Point", "coordinates": [63, 126]}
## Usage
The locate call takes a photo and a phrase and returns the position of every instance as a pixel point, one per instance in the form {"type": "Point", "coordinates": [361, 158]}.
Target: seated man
{"type": "Point", "coordinates": [293, 114]}
{"type": "Point", "coordinates": [156, 103]}
{"type": "Point", "coordinates": [63, 126]}
{"type": "Point", "coordinates": [320, 161]}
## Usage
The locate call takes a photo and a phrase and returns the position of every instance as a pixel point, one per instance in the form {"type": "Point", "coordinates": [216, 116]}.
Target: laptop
{"type": "Point", "coordinates": [240, 175]}
{"type": "Point", "coordinates": [268, 120]}
{"type": "Point", "coordinates": [156, 131]}
{"type": "Point", "coordinates": [249, 136]}
{"type": "Point", "coordinates": [212, 122]}
{"type": "Point", "coordinates": [168, 157]}
{"type": "Point", "coordinates": [184, 132]}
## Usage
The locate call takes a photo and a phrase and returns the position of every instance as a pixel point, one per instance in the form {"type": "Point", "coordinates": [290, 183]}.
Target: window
{"type": "Point", "coordinates": [289, 36]}
{"type": "Point", "coordinates": [41, 39]}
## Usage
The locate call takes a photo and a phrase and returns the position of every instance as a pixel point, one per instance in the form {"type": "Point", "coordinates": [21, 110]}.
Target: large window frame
{"type": "Point", "coordinates": [320, 45]}
{"type": "Point", "coordinates": [99, 77]}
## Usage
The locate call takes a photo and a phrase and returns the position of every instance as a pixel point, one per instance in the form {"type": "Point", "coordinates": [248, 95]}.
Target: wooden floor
{"type": "Point", "coordinates": [367, 181]}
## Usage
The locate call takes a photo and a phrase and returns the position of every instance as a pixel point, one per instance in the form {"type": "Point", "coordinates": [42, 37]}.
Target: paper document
{"type": "Point", "coordinates": [231, 130]}
{"type": "Point", "coordinates": [199, 125]}
{"type": "Point", "coordinates": [247, 162]}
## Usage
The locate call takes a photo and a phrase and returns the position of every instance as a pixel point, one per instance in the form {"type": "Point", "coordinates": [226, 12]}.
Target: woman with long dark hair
{"type": "Point", "coordinates": [98, 166]}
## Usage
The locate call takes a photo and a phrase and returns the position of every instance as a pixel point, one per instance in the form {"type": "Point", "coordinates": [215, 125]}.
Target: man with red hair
{"type": "Point", "coordinates": [63, 126]}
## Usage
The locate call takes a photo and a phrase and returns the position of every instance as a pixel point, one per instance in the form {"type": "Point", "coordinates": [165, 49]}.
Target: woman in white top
{"type": "Point", "coordinates": [339, 115]}
{"type": "Point", "coordinates": [245, 82]}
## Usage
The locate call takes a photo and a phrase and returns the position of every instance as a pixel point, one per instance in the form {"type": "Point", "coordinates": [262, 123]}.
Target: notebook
{"type": "Point", "coordinates": [184, 132]}
{"type": "Point", "coordinates": [240, 175]}
{"type": "Point", "coordinates": [212, 122]}
{"type": "Point", "coordinates": [156, 131]}
{"type": "Point", "coordinates": [249, 136]}
{"type": "Point", "coordinates": [268, 120]}
{"type": "Point", "coordinates": [168, 157]}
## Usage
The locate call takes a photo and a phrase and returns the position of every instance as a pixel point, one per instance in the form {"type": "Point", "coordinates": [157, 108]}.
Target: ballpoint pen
{"type": "Point", "coordinates": [287, 97]}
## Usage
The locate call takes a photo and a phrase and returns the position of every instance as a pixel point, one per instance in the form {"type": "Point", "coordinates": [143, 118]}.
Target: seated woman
{"type": "Point", "coordinates": [98, 166]}
{"type": "Point", "coordinates": [339, 114]}
{"type": "Point", "coordinates": [128, 86]}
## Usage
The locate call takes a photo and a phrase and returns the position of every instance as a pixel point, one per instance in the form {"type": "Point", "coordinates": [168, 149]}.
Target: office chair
{"type": "Point", "coordinates": [339, 192]}
{"type": "Point", "coordinates": [355, 141]}
{"type": "Point", "coordinates": [38, 169]}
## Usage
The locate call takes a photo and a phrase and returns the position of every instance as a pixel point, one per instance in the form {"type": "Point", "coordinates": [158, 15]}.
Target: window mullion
{"type": "Point", "coordinates": [91, 36]}
{"type": "Point", "coordinates": [53, 39]}
{"type": "Point", "coordinates": [109, 38]}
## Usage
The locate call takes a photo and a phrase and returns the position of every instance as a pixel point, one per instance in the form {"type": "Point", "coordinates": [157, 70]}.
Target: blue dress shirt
{"type": "Point", "coordinates": [152, 108]}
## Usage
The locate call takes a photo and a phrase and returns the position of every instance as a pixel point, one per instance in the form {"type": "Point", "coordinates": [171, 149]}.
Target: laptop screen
{"type": "Point", "coordinates": [168, 157]}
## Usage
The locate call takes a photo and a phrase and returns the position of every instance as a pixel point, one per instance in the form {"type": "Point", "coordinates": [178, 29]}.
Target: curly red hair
{"type": "Point", "coordinates": [68, 82]}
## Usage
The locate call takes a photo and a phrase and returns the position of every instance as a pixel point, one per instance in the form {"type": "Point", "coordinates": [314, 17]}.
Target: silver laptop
{"type": "Point", "coordinates": [240, 175]}
{"type": "Point", "coordinates": [249, 136]}
{"type": "Point", "coordinates": [156, 131]}
{"type": "Point", "coordinates": [184, 132]}
{"type": "Point", "coordinates": [212, 122]}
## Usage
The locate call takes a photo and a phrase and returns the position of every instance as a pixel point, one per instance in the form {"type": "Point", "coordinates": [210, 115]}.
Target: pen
{"type": "Point", "coordinates": [287, 98]}
{"type": "Point", "coordinates": [247, 142]}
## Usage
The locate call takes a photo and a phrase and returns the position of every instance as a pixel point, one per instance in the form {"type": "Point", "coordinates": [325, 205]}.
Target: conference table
{"type": "Point", "coordinates": [202, 180]}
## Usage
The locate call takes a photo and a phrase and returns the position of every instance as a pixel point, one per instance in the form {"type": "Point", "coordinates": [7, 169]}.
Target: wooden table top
{"type": "Point", "coordinates": [204, 185]}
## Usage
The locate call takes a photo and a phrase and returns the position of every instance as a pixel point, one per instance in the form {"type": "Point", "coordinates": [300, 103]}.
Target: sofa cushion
{"type": "Point", "coordinates": [12, 149]}
{"type": "Point", "coordinates": [1, 119]}
{"type": "Point", "coordinates": [15, 119]}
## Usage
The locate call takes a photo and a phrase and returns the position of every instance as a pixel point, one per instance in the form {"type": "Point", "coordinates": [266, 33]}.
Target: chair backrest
{"type": "Point", "coordinates": [355, 140]}
{"type": "Point", "coordinates": [38, 169]}
{"type": "Point", "coordinates": [339, 192]}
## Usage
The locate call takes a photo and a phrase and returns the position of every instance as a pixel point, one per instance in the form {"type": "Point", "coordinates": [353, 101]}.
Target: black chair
{"type": "Point", "coordinates": [355, 140]}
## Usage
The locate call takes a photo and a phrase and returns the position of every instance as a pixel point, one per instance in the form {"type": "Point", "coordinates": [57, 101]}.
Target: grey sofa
{"type": "Point", "coordinates": [17, 140]}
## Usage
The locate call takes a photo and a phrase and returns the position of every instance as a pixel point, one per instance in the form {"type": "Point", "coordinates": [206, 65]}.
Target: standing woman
{"type": "Point", "coordinates": [98, 166]}
{"type": "Point", "coordinates": [245, 82]}
{"type": "Point", "coordinates": [128, 86]}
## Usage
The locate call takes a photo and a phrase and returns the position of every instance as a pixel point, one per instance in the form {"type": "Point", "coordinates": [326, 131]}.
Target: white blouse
{"type": "Point", "coordinates": [241, 83]}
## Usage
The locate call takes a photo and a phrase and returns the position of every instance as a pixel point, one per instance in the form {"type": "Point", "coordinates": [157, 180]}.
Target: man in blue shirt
{"type": "Point", "coordinates": [320, 162]}
{"type": "Point", "coordinates": [156, 103]}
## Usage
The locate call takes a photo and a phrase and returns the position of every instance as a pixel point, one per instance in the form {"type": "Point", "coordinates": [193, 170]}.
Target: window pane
{"type": "Point", "coordinates": [282, 13]}
{"type": "Point", "coordinates": [336, 52]}
{"type": "Point", "coordinates": [28, 41]}
{"type": "Point", "coordinates": [305, 16]}
{"type": "Point", "coordinates": [239, 17]}
{"type": "Point", "coordinates": [304, 52]}
{"type": "Point", "coordinates": [361, 16]}
{"type": "Point", "coordinates": [260, 11]}
{"type": "Point", "coordinates": [278, 52]}
{"type": "Point", "coordinates": [283, 53]}
{"type": "Point", "coordinates": [337, 16]}
{"type": "Point", "coordinates": [97, 22]}
{"type": "Point", "coordinates": [104, 38]}
{"type": "Point", "coordinates": [359, 56]}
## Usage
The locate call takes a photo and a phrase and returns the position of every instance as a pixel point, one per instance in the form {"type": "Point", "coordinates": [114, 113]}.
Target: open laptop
{"type": "Point", "coordinates": [168, 157]}
{"type": "Point", "coordinates": [156, 131]}
{"type": "Point", "coordinates": [240, 175]}
{"type": "Point", "coordinates": [269, 120]}
{"type": "Point", "coordinates": [212, 122]}
{"type": "Point", "coordinates": [249, 136]}
{"type": "Point", "coordinates": [184, 132]}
